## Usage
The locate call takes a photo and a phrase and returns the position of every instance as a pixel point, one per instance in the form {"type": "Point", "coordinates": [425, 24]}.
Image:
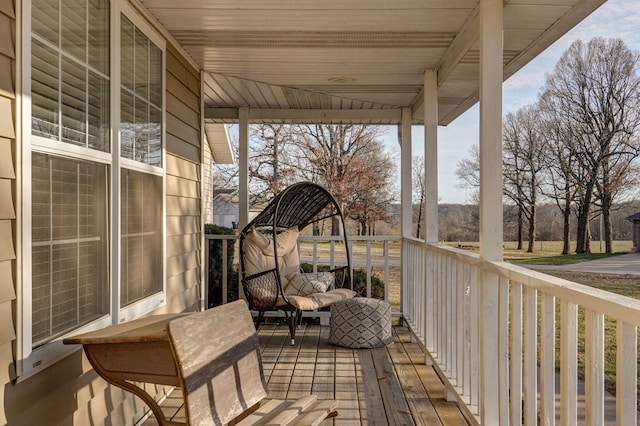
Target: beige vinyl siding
{"type": "Point", "coordinates": [183, 205]}
{"type": "Point", "coordinates": [7, 193]}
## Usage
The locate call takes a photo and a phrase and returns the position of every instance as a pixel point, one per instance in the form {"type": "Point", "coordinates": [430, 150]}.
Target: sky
{"type": "Point", "coordinates": [616, 18]}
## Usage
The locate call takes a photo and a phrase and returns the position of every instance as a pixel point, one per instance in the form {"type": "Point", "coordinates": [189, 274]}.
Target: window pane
{"type": "Point", "coordinates": [70, 75]}
{"type": "Point", "coordinates": [155, 75]}
{"type": "Point", "coordinates": [74, 28]}
{"type": "Point", "coordinates": [99, 36]}
{"type": "Point", "coordinates": [126, 53]}
{"type": "Point", "coordinates": [44, 91]}
{"type": "Point", "coordinates": [141, 91]}
{"type": "Point", "coordinates": [141, 236]}
{"type": "Point", "coordinates": [142, 65]}
{"type": "Point", "coordinates": [45, 16]}
{"type": "Point", "coordinates": [154, 136]}
{"type": "Point", "coordinates": [69, 247]}
{"type": "Point", "coordinates": [98, 112]}
{"type": "Point", "coordinates": [127, 125]}
{"type": "Point", "coordinates": [74, 102]}
{"type": "Point", "coordinates": [142, 130]}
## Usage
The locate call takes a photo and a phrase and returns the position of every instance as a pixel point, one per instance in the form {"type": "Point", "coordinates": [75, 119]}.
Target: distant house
{"type": "Point", "coordinates": [635, 219]}
{"type": "Point", "coordinates": [225, 208]}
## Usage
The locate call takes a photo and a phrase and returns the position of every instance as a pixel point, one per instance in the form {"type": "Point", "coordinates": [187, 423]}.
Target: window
{"type": "Point", "coordinates": [70, 72]}
{"type": "Point", "coordinates": [70, 252]}
{"type": "Point", "coordinates": [140, 236]}
{"type": "Point", "coordinates": [96, 171]}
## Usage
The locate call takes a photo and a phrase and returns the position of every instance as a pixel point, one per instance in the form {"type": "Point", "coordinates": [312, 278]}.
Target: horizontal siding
{"type": "Point", "coordinates": [177, 225]}
{"type": "Point", "coordinates": [180, 244]}
{"type": "Point", "coordinates": [177, 166]}
{"type": "Point", "coordinates": [180, 148]}
{"type": "Point", "coordinates": [6, 77]}
{"type": "Point", "coordinates": [180, 187]}
{"type": "Point", "coordinates": [183, 206]}
{"type": "Point", "coordinates": [183, 108]}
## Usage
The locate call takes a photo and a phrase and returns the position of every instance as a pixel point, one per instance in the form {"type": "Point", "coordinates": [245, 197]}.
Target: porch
{"type": "Point", "coordinates": [506, 343]}
{"type": "Point", "coordinates": [389, 385]}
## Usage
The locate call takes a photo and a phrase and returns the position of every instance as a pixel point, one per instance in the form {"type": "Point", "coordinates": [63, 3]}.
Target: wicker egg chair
{"type": "Point", "coordinates": [271, 275]}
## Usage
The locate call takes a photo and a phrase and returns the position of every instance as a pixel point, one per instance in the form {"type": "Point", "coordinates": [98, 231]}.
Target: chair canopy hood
{"type": "Point", "coordinates": [298, 205]}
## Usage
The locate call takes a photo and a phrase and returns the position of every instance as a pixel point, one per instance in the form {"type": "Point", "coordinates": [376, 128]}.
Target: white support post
{"type": "Point", "coordinates": [243, 181]}
{"type": "Point", "coordinates": [491, 226]}
{"type": "Point", "coordinates": [431, 155]}
{"type": "Point", "coordinates": [406, 197]}
{"type": "Point", "coordinates": [406, 169]}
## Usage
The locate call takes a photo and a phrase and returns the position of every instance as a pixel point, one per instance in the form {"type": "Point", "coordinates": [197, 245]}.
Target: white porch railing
{"type": "Point", "coordinates": [375, 255]}
{"type": "Point", "coordinates": [536, 321]}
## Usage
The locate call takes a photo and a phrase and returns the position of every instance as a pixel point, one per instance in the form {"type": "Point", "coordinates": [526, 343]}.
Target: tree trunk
{"type": "Point", "coordinates": [520, 227]}
{"type": "Point", "coordinates": [582, 233]}
{"type": "Point", "coordinates": [566, 230]}
{"type": "Point", "coordinates": [420, 209]}
{"type": "Point", "coordinates": [532, 229]}
{"type": "Point", "coordinates": [335, 226]}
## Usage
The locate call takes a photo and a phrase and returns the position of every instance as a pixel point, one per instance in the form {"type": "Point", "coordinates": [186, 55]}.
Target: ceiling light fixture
{"type": "Point", "coordinates": [342, 80]}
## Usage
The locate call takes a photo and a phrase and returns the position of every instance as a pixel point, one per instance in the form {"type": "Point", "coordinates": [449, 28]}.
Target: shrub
{"type": "Point", "coordinates": [214, 290]}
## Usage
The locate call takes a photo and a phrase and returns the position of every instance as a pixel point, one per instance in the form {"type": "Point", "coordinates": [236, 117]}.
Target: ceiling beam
{"type": "Point", "coordinates": [465, 39]}
{"type": "Point", "coordinates": [388, 116]}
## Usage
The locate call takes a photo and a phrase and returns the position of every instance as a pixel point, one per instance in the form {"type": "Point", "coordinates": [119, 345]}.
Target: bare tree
{"type": "Point", "coordinates": [523, 157]}
{"type": "Point", "coordinates": [596, 89]}
{"type": "Point", "coordinates": [468, 172]}
{"type": "Point", "coordinates": [270, 168]}
{"type": "Point", "coordinates": [349, 160]}
{"type": "Point", "coordinates": [561, 179]}
{"type": "Point", "coordinates": [419, 190]}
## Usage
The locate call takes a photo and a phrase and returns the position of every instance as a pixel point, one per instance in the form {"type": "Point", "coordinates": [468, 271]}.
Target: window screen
{"type": "Point", "coordinates": [141, 236]}
{"type": "Point", "coordinates": [69, 248]}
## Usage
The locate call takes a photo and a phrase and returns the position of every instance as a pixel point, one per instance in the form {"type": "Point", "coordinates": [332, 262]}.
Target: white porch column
{"type": "Point", "coordinates": [243, 181]}
{"type": "Point", "coordinates": [406, 172]}
{"type": "Point", "coordinates": [491, 75]}
{"type": "Point", "coordinates": [431, 155]}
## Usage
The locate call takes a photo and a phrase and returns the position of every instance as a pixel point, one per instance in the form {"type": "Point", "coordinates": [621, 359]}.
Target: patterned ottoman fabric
{"type": "Point", "coordinates": [360, 323]}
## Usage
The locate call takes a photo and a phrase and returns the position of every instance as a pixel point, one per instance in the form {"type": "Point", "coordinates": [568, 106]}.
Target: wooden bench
{"type": "Point", "coordinates": [213, 356]}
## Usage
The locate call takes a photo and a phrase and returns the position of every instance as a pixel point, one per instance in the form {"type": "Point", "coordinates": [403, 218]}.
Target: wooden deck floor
{"type": "Point", "coordinates": [383, 386]}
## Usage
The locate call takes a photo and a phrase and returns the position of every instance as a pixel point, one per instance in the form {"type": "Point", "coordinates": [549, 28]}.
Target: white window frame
{"type": "Point", "coordinates": [31, 361]}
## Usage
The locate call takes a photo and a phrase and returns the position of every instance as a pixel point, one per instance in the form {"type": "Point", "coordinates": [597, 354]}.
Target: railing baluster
{"type": "Point", "coordinates": [626, 362]}
{"type": "Point", "coordinates": [547, 359]}
{"type": "Point", "coordinates": [475, 338]}
{"type": "Point", "coordinates": [503, 349]}
{"type": "Point", "coordinates": [515, 370]}
{"type": "Point", "coordinates": [530, 363]}
{"type": "Point", "coordinates": [594, 367]}
{"type": "Point", "coordinates": [568, 363]}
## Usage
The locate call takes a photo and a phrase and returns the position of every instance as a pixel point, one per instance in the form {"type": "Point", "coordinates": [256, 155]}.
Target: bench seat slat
{"type": "Point", "coordinates": [305, 411]}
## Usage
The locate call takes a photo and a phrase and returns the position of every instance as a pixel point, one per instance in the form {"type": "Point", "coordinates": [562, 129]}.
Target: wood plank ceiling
{"type": "Point", "coordinates": [351, 54]}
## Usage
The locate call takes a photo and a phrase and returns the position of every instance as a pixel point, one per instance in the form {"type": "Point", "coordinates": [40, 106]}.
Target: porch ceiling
{"type": "Point", "coordinates": [308, 55]}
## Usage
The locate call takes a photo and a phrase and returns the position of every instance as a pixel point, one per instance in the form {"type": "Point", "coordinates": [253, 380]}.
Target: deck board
{"type": "Point", "coordinates": [383, 386]}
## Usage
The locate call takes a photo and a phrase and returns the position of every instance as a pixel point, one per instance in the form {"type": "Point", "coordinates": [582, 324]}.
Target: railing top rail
{"type": "Point", "coordinates": [462, 255]}
{"type": "Point", "coordinates": [351, 238]}
{"type": "Point", "coordinates": [221, 236]}
{"type": "Point", "coordinates": [614, 305]}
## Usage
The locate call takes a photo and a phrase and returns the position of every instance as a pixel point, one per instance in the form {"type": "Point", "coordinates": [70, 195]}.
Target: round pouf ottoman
{"type": "Point", "coordinates": [360, 323]}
